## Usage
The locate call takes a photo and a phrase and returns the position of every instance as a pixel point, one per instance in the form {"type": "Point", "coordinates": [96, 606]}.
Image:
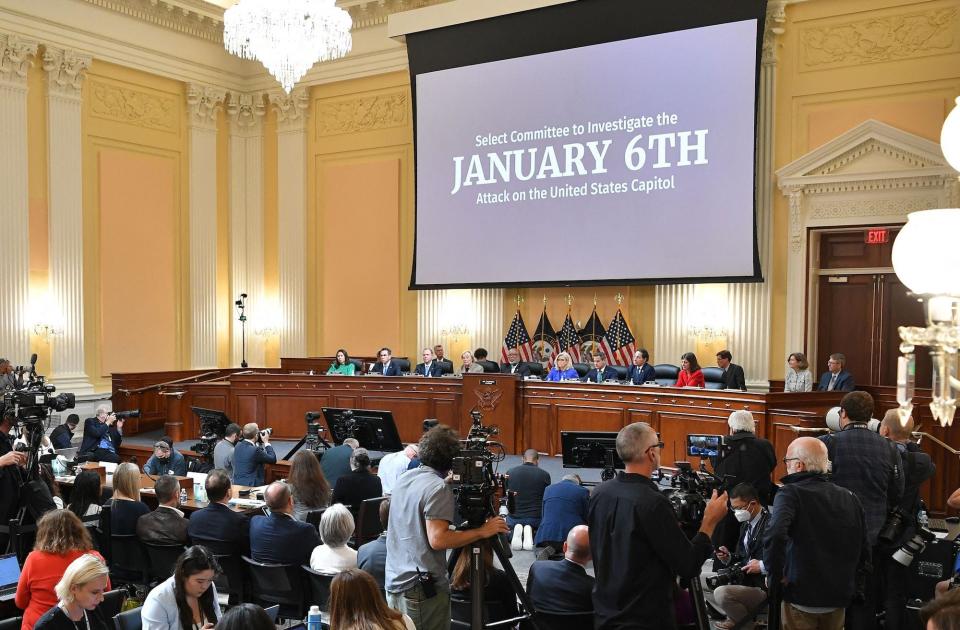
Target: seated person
{"type": "Point", "coordinates": [86, 495]}
{"type": "Point", "coordinates": [498, 592]}
{"type": "Point", "coordinates": [250, 454]}
{"type": "Point", "coordinates": [480, 355]}
{"type": "Point", "coordinates": [102, 436]}
{"type": "Point", "coordinates": [355, 602]}
{"type": "Point", "coordinates": [271, 536]}
{"type": "Point", "coordinates": [469, 364]}
{"type": "Point", "coordinates": [359, 484]}
{"type": "Point", "coordinates": [217, 526]}
{"type": "Point", "coordinates": [600, 371]}
{"type": "Point", "coordinates": [429, 367]}
{"type": "Point", "coordinates": [187, 600]}
{"type": "Point", "coordinates": [564, 586]}
{"type": "Point", "coordinates": [126, 506]}
{"type": "Point", "coordinates": [529, 481]}
{"type": "Point", "coordinates": [372, 556]}
{"type": "Point", "coordinates": [564, 507]}
{"type": "Point", "coordinates": [641, 371]}
{"type": "Point", "coordinates": [514, 365]}
{"type": "Point", "coordinates": [79, 592]}
{"type": "Point", "coordinates": [342, 365]}
{"type": "Point", "coordinates": [385, 366]}
{"type": "Point", "coordinates": [165, 460]}
{"type": "Point", "coordinates": [690, 373]}
{"type": "Point", "coordinates": [62, 436]}
{"type": "Point", "coordinates": [445, 364]}
{"type": "Point", "coordinates": [246, 617]}
{"type": "Point", "coordinates": [563, 370]}
{"type": "Point", "coordinates": [336, 528]}
{"type": "Point", "coordinates": [836, 379]}
{"type": "Point", "coordinates": [336, 461]}
{"type": "Point", "coordinates": [308, 485]}
{"type": "Point", "coordinates": [166, 525]}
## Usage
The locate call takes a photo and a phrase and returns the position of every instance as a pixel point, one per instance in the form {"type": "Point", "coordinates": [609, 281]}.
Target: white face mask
{"type": "Point", "coordinates": [742, 516]}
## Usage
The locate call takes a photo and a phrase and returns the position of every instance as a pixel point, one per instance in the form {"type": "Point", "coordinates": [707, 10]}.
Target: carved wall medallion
{"type": "Point", "coordinates": [488, 398]}
{"type": "Point", "coordinates": [365, 113]}
{"type": "Point", "coordinates": [134, 107]}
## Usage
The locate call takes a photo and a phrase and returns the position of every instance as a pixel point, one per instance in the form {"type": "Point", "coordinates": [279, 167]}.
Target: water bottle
{"type": "Point", "coordinates": [313, 618]}
{"type": "Point", "coordinates": [183, 495]}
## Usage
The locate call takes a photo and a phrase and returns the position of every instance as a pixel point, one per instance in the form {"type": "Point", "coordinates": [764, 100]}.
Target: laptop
{"type": "Point", "coordinates": [68, 454]}
{"type": "Point", "coordinates": [9, 576]}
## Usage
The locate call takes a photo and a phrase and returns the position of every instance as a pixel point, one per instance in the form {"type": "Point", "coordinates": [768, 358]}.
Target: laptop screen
{"type": "Point", "coordinates": [9, 570]}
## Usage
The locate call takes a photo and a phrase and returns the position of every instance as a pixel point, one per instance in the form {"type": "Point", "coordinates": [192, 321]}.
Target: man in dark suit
{"type": "Point", "coordinates": [166, 525]}
{"type": "Point", "coordinates": [641, 371]}
{"type": "Point", "coordinates": [480, 356]}
{"type": "Point", "coordinates": [732, 373]}
{"type": "Point", "coordinates": [102, 436]}
{"type": "Point", "coordinates": [336, 461]}
{"type": "Point", "coordinates": [279, 538]}
{"type": "Point", "coordinates": [514, 365]}
{"type": "Point", "coordinates": [216, 526]}
{"type": "Point", "coordinates": [564, 507]}
{"type": "Point", "coordinates": [62, 436]}
{"type": "Point", "coordinates": [836, 379]}
{"type": "Point", "coordinates": [445, 363]}
{"type": "Point", "coordinates": [372, 556]}
{"type": "Point", "coordinates": [600, 371]}
{"type": "Point", "coordinates": [564, 586]}
{"type": "Point", "coordinates": [385, 366]}
{"type": "Point", "coordinates": [429, 367]}
{"type": "Point", "coordinates": [249, 456]}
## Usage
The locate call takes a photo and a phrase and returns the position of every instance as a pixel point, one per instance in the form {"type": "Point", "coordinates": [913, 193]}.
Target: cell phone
{"type": "Point", "coordinates": [244, 493]}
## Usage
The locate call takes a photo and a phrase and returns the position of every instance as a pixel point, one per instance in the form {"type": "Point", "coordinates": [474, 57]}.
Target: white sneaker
{"type": "Point", "coordinates": [517, 543]}
{"type": "Point", "coordinates": [527, 538]}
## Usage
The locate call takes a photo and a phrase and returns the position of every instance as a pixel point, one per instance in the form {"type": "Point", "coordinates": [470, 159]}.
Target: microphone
{"type": "Point", "coordinates": [33, 363]}
{"type": "Point", "coordinates": [243, 295]}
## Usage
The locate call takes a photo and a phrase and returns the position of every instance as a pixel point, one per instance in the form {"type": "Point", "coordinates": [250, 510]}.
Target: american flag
{"type": "Point", "coordinates": [618, 344]}
{"type": "Point", "coordinates": [518, 338]}
{"type": "Point", "coordinates": [545, 341]}
{"type": "Point", "coordinates": [568, 340]}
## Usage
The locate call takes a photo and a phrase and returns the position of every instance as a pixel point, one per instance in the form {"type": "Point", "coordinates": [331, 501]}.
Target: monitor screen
{"type": "Point", "coordinates": [374, 429]}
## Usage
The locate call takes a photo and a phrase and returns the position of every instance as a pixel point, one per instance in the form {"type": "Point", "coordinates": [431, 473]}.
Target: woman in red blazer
{"type": "Point", "coordinates": [690, 373]}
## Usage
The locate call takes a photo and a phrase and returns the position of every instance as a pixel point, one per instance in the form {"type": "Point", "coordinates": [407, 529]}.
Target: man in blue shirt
{"type": "Point", "coordinates": [279, 538]}
{"type": "Point", "coordinates": [250, 454]}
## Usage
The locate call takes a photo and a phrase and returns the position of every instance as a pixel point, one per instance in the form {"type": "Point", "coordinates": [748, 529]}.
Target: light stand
{"type": "Point", "coordinates": [241, 316]}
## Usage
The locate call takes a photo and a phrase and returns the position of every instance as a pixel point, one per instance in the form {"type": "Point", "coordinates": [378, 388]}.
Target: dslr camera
{"type": "Point", "coordinates": [726, 576]}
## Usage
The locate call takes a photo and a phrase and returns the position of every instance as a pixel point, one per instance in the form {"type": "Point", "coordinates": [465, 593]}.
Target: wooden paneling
{"type": "Point", "coordinates": [245, 409]}
{"type": "Point", "coordinates": [675, 427]}
{"type": "Point", "coordinates": [286, 414]}
{"type": "Point", "coordinates": [577, 418]}
{"type": "Point", "coordinates": [540, 427]}
{"type": "Point", "coordinates": [496, 397]}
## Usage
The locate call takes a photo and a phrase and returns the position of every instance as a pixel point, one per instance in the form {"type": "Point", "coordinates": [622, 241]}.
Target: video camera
{"type": "Point", "coordinates": [213, 426]}
{"type": "Point", "coordinates": [475, 482]}
{"type": "Point", "coordinates": [689, 492]}
{"type": "Point", "coordinates": [733, 574]}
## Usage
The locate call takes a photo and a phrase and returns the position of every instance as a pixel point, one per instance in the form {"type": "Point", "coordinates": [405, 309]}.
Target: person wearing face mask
{"type": "Point", "coordinates": [165, 460]}
{"type": "Point", "coordinates": [740, 600]}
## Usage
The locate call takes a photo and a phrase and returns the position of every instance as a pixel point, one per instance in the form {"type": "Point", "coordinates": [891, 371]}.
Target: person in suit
{"type": "Point", "coordinates": [336, 461]}
{"type": "Point", "coordinates": [733, 377]}
{"type": "Point", "coordinates": [514, 365]}
{"type": "Point", "coordinates": [564, 507]}
{"type": "Point", "coordinates": [216, 526]}
{"type": "Point", "coordinates": [62, 436]}
{"type": "Point", "coordinates": [385, 366]}
{"type": "Point", "coordinates": [480, 355]}
{"type": "Point", "coordinates": [445, 363]}
{"type": "Point", "coordinates": [250, 454]}
{"type": "Point", "coordinates": [102, 436]}
{"type": "Point", "coordinates": [166, 525]}
{"type": "Point", "coordinates": [564, 586]}
{"type": "Point", "coordinates": [600, 371]}
{"type": "Point", "coordinates": [359, 484]}
{"type": "Point", "coordinates": [429, 367]}
{"type": "Point", "coordinates": [271, 536]}
{"type": "Point", "coordinates": [563, 370]}
{"type": "Point", "coordinates": [469, 364]}
{"type": "Point", "coordinates": [641, 371]}
{"type": "Point", "coordinates": [836, 379]}
{"type": "Point", "coordinates": [372, 556]}
{"type": "Point", "coordinates": [798, 377]}
{"type": "Point", "coordinates": [165, 460]}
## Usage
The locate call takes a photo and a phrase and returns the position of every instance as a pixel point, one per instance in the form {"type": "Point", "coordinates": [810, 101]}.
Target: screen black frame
{"type": "Point", "coordinates": [574, 25]}
{"type": "Point", "coordinates": [381, 419]}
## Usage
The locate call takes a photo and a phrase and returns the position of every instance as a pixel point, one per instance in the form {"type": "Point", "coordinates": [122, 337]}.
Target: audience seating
{"type": "Point", "coordinates": [357, 366]}
{"type": "Point", "coordinates": [280, 584]}
{"type": "Point", "coordinates": [314, 516]}
{"type": "Point", "coordinates": [621, 371]}
{"type": "Point", "coordinates": [11, 624]}
{"type": "Point", "coordinates": [536, 368]}
{"type": "Point", "coordinates": [162, 560]}
{"type": "Point", "coordinates": [666, 374]}
{"type": "Point", "coordinates": [127, 560]}
{"type": "Point", "coordinates": [22, 538]}
{"type": "Point", "coordinates": [403, 364]}
{"type": "Point", "coordinates": [128, 620]}
{"type": "Point", "coordinates": [368, 525]}
{"type": "Point", "coordinates": [489, 366]}
{"type": "Point", "coordinates": [581, 368]}
{"type": "Point", "coordinates": [112, 603]}
{"type": "Point", "coordinates": [230, 581]}
{"type": "Point", "coordinates": [713, 377]}
{"type": "Point", "coordinates": [317, 589]}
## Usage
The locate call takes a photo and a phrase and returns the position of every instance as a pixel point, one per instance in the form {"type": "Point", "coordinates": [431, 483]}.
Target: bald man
{"type": "Point", "coordinates": [249, 456]}
{"type": "Point", "coordinates": [279, 538]}
{"type": "Point", "coordinates": [818, 571]}
{"type": "Point", "coordinates": [564, 586]}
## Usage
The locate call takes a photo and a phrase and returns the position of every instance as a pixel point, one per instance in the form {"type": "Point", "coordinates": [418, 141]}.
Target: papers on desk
{"type": "Point", "coordinates": [248, 503]}
{"type": "Point", "coordinates": [65, 478]}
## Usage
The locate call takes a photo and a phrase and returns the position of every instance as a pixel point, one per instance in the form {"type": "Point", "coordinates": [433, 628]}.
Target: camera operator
{"type": "Point", "coordinates": [102, 436]}
{"type": "Point", "coordinates": [637, 545]}
{"type": "Point", "coordinates": [223, 451]}
{"type": "Point", "coordinates": [870, 467]}
{"type": "Point", "coordinates": [815, 543]}
{"type": "Point", "coordinates": [737, 600]}
{"type": "Point", "coordinates": [62, 436]}
{"type": "Point", "coordinates": [421, 511]}
{"type": "Point", "coordinates": [250, 455]}
{"type": "Point", "coordinates": [8, 380]}
{"type": "Point", "coordinates": [917, 468]}
{"type": "Point", "coordinates": [10, 476]}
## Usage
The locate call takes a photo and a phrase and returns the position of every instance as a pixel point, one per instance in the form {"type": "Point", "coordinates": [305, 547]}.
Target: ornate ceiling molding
{"type": "Point", "coordinates": [66, 70]}
{"type": "Point", "coordinates": [246, 112]}
{"type": "Point", "coordinates": [203, 102]}
{"type": "Point", "coordinates": [291, 109]}
{"type": "Point", "coordinates": [16, 57]}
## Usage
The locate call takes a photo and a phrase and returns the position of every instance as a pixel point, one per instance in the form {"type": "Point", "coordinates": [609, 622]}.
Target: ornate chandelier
{"type": "Point", "coordinates": [287, 36]}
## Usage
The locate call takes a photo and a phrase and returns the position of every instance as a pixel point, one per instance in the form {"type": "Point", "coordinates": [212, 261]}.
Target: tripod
{"type": "Point", "coordinates": [478, 581]}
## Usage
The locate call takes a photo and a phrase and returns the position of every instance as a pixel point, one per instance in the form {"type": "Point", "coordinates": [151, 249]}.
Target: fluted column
{"type": "Point", "coordinates": [66, 70]}
{"type": "Point", "coordinates": [16, 57]}
{"type": "Point", "coordinates": [461, 319]}
{"type": "Point", "coordinates": [292, 110]}
{"type": "Point", "coordinates": [203, 102]}
{"type": "Point", "coordinates": [246, 217]}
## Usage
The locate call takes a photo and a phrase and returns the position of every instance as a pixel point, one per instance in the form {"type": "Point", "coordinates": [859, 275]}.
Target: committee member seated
{"type": "Point", "coordinates": [836, 378]}
{"type": "Point", "coordinates": [564, 586]}
{"type": "Point", "coordinates": [126, 506]}
{"type": "Point", "coordinates": [250, 455]}
{"type": "Point", "coordinates": [514, 365]}
{"type": "Point", "coordinates": [798, 377]}
{"type": "Point", "coordinates": [102, 436]}
{"type": "Point", "coordinates": [529, 481]}
{"type": "Point", "coordinates": [271, 536]}
{"type": "Point", "coordinates": [641, 371]}
{"type": "Point", "coordinates": [372, 556]}
{"type": "Point", "coordinates": [166, 525]}
{"type": "Point", "coordinates": [690, 373]}
{"type": "Point", "coordinates": [79, 594]}
{"type": "Point", "coordinates": [359, 484]}
{"type": "Point", "coordinates": [217, 526]}
{"type": "Point", "coordinates": [429, 367]}
{"type": "Point", "coordinates": [223, 451]}
{"type": "Point", "coordinates": [445, 363]}
{"type": "Point", "coordinates": [564, 507]}
{"type": "Point", "coordinates": [165, 461]}
{"type": "Point", "coordinates": [733, 377]}
{"type": "Point", "coordinates": [342, 365]}
{"type": "Point", "coordinates": [468, 364]}
{"type": "Point", "coordinates": [62, 436]}
{"type": "Point", "coordinates": [336, 528]}
{"type": "Point", "coordinates": [600, 371]}
{"type": "Point", "coordinates": [187, 600]}
{"type": "Point", "coordinates": [336, 460]}
{"type": "Point", "coordinates": [385, 366]}
{"type": "Point", "coordinates": [563, 370]}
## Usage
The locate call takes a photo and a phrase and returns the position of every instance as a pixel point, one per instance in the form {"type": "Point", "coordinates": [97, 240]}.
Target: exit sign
{"type": "Point", "coordinates": [877, 236]}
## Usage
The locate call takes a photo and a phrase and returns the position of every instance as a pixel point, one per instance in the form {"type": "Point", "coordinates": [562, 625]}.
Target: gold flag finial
{"type": "Point", "coordinates": [544, 300]}
{"type": "Point", "coordinates": [619, 298]}
{"type": "Point", "coordinates": [594, 299]}
{"type": "Point", "coordinates": [518, 300]}
{"type": "Point", "coordinates": [569, 299]}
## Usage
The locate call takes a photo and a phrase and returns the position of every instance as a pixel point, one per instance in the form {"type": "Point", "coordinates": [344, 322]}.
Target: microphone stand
{"type": "Point", "coordinates": [241, 305]}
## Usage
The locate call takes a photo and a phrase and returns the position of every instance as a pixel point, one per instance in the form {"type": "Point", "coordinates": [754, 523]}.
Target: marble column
{"type": "Point", "coordinates": [292, 115]}
{"type": "Point", "coordinates": [203, 102]}
{"type": "Point", "coordinates": [66, 70]}
{"type": "Point", "coordinates": [461, 319]}
{"type": "Point", "coordinates": [16, 57]}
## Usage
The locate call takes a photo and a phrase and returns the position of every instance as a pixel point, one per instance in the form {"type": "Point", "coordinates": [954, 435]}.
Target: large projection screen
{"type": "Point", "coordinates": [596, 142]}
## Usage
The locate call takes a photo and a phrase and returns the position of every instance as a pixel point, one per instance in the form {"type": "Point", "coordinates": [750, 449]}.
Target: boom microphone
{"type": "Point", "coordinates": [33, 363]}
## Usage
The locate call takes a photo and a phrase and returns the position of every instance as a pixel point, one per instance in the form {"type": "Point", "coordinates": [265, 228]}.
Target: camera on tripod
{"type": "Point", "coordinates": [689, 492]}
{"type": "Point", "coordinates": [475, 482]}
{"type": "Point", "coordinates": [734, 574]}
{"type": "Point", "coordinates": [33, 402]}
{"type": "Point", "coordinates": [213, 426]}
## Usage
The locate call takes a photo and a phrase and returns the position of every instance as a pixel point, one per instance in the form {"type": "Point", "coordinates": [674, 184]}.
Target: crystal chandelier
{"type": "Point", "coordinates": [287, 36]}
{"type": "Point", "coordinates": [927, 260]}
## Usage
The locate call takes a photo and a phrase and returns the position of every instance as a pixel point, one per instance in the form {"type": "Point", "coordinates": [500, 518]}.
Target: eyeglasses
{"type": "Point", "coordinates": [657, 445]}
{"type": "Point", "coordinates": [790, 459]}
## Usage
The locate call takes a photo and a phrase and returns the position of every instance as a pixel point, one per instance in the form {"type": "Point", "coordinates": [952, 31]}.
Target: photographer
{"type": "Point", "coordinates": [165, 460]}
{"type": "Point", "coordinates": [421, 512]}
{"type": "Point", "coordinates": [637, 544]}
{"type": "Point", "coordinates": [8, 380]}
{"type": "Point", "coordinates": [251, 454]}
{"type": "Point", "coordinates": [223, 451]}
{"type": "Point", "coordinates": [815, 543]}
{"type": "Point", "coordinates": [62, 436]}
{"type": "Point", "coordinates": [102, 436]}
{"type": "Point", "coordinates": [10, 474]}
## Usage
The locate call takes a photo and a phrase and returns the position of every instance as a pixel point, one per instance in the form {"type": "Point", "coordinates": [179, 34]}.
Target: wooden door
{"type": "Point", "coordinates": [848, 308]}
